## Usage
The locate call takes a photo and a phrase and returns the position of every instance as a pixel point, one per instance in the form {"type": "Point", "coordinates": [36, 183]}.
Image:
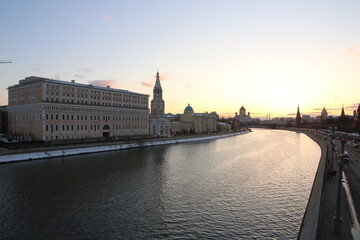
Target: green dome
{"type": "Point", "coordinates": [189, 109]}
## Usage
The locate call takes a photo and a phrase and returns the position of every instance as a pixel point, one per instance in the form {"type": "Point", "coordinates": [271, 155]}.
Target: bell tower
{"type": "Point", "coordinates": [157, 103]}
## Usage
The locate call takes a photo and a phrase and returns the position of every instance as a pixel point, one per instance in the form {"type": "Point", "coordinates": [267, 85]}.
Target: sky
{"type": "Point", "coordinates": [269, 56]}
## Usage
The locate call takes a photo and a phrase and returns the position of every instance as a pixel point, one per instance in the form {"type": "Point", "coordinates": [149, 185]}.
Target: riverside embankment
{"type": "Point", "coordinates": [318, 220]}
{"type": "Point", "coordinates": [60, 151]}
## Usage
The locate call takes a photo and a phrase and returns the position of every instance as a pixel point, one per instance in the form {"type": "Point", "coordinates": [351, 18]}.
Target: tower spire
{"type": "Point", "coordinates": [157, 82]}
{"type": "Point", "coordinates": [298, 117]}
{"type": "Point", "coordinates": [342, 112]}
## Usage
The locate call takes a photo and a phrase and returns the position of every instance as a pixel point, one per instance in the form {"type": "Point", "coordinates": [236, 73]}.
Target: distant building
{"type": "Point", "coordinates": [223, 127]}
{"type": "Point", "coordinates": [307, 119]}
{"type": "Point", "coordinates": [342, 115]}
{"type": "Point", "coordinates": [243, 118]}
{"type": "Point", "coordinates": [159, 123]}
{"type": "Point", "coordinates": [46, 109]}
{"type": "Point", "coordinates": [3, 119]}
{"type": "Point", "coordinates": [191, 122]}
{"type": "Point", "coordinates": [324, 114]}
{"type": "Point", "coordinates": [298, 118]}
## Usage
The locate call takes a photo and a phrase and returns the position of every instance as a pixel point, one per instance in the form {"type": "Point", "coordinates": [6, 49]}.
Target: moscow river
{"type": "Point", "coordinates": [252, 186]}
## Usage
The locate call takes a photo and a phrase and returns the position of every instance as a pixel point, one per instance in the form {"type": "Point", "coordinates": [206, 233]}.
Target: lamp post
{"type": "Point", "coordinates": [332, 147]}
{"type": "Point", "coordinates": [343, 159]}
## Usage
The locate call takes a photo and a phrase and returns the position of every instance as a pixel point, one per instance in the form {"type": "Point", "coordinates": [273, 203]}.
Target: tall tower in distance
{"type": "Point", "coordinates": [157, 103]}
{"type": "Point", "coordinates": [159, 124]}
{"type": "Point", "coordinates": [324, 114]}
{"type": "Point", "coordinates": [298, 117]}
{"type": "Point", "coordinates": [342, 112]}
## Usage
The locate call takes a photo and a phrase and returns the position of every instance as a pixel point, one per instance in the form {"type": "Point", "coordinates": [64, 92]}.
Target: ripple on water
{"type": "Point", "coordinates": [253, 186]}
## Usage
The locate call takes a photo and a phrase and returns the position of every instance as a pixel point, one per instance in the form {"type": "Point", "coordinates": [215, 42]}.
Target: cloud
{"type": "Point", "coordinates": [37, 69]}
{"type": "Point", "coordinates": [225, 113]}
{"type": "Point", "coordinates": [146, 84]}
{"type": "Point", "coordinates": [85, 70]}
{"type": "Point", "coordinates": [105, 83]}
{"type": "Point", "coordinates": [79, 76]}
{"type": "Point", "coordinates": [354, 50]}
{"type": "Point", "coordinates": [327, 109]}
{"type": "Point", "coordinates": [354, 105]}
{"type": "Point", "coordinates": [291, 114]}
{"type": "Point", "coordinates": [106, 17]}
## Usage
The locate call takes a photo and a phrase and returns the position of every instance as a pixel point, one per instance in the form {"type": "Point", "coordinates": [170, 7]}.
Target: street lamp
{"type": "Point", "coordinates": [343, 159]}
{"type": "Point", "coordinates": [332, 147]}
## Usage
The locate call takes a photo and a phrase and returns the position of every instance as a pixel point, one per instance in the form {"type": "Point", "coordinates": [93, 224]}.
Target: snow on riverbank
{"type": "Point", "coordinates": [85, 150]}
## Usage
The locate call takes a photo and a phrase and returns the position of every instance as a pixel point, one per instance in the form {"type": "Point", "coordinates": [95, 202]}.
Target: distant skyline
{"type": "Point", "coordinates": [269, 56]}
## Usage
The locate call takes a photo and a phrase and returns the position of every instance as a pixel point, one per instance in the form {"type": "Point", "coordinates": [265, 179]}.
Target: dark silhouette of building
{"type": "Point", "coordinates": [342, 118]}
{"type": "Point", "coordinates": [342, 112]}
{"type": "Point", "coordinates": [298, 117]}
{"type": "Point", "coordinates": [3, 119]}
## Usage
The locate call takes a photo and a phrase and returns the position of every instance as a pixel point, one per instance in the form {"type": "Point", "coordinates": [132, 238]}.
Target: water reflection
{"type": "Point", "coordinates": [254, 185]}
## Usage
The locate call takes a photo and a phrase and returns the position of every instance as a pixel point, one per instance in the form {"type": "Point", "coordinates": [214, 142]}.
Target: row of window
{"type": "Point", "coordinates": [81, 136]}
{"type": "Point", "coordinates": [85, 91]}
{"type": "Point", "coordinates": [85, 97]}
{"type": "Point", "coordinates": [79, 117]}
{"type": "Point", "coordinates": [92, 127]}
{"type": "Point", "coordinates": [98, 103]}
{"type": "Point", "coordinates": [94, 118]}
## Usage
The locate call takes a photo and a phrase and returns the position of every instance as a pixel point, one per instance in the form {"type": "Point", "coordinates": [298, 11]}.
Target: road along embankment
{"type": "Point", "coordinates": [318, 220]}
{"type": "Point", "coordinates": [310, 223]}
{"type": "Point", "coordinates": [112, 147]}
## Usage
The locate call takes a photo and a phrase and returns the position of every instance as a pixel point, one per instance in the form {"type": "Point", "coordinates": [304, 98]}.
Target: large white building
{"type": "Point", "coordinates": [159, 124]}
{"type": "Point", "coordinates": [46, 109]}
{"type": "Point", "coordinates": [243, 117]}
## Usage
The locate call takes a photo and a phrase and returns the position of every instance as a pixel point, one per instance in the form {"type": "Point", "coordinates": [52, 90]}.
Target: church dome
{"type": "Point", "coordinates": [242, 108]}
{"type": "Point", "coordinates": [189, 109]}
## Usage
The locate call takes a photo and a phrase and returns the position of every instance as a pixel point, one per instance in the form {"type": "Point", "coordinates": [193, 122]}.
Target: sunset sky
{"type": "Point", "coordinates": [269, 56]}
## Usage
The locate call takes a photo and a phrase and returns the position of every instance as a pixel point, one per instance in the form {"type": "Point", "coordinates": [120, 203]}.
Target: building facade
{"type": "Point", "coordinates": [3, 119]}
{"type": "Point", "coordinates": [243, 118]}
{"type": "Point", "coordinates": [324, 114]}
{"type": "Point", "coordinates": [46, 109]}
{"type": "Point", "coordinates": [159, 124]}
{"type": "Point", "coordinates": [198, 123]}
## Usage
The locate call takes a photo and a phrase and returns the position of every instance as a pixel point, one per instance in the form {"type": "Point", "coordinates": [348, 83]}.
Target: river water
{"type": "Point", "coordinates": [252, 186]}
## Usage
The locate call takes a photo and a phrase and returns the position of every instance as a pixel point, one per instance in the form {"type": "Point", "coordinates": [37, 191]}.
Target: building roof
{"type": "Point", "coordinates": [189, 109]}
{"type": "Point", "coordinates": [33, 79]}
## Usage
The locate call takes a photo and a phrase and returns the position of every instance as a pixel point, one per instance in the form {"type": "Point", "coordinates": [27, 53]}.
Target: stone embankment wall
{"type": "Point", "coordinates": [310, 223]}
{"type": "Point", "coordinates": [104, 148]}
